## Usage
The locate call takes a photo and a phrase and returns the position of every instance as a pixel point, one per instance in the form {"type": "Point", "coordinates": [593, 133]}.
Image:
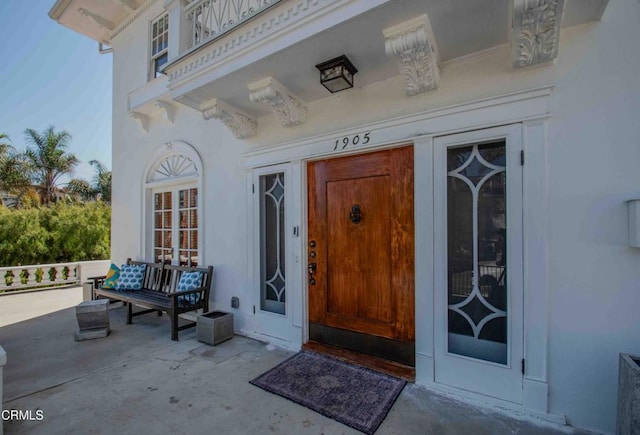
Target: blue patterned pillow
{"type": "Point", "coordinates": [131, 277]}
{"type": "Point", "coordinates": [189, 281]}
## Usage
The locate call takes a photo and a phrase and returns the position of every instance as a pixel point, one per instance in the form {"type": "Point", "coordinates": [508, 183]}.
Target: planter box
{"type": "Point", "coordinates": [628, 418]}
{"type": "Point", "coordinates": [214, 327]}
{"type": "Point", "coordinates": [93, 319]}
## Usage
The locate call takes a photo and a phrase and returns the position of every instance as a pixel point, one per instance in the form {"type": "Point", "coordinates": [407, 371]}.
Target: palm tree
{"type": "Point", "coordinates": [99, 190]}
{"type": "Point", "coordinates": [49, 159]}
{"type": "Point", "coordinates": [81, 189]}
{"type": "Point", "coordinates": [102, 181]}
{"type": "Point", "coordinates": [14, 171]}
{"type": "Point", "coordinates": [4, 146]}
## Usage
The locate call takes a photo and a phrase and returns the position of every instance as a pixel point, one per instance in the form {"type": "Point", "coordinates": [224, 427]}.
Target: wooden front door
{"type": "Point", "coordinates": [361, 253]}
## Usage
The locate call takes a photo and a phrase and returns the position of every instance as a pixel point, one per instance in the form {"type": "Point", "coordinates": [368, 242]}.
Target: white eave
{"type": "Point", "coordinates": [98, 19]}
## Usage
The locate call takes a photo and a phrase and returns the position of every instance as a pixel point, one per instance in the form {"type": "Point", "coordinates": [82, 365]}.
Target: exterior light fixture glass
{"type": "Point", "coordinates": [337, 74]}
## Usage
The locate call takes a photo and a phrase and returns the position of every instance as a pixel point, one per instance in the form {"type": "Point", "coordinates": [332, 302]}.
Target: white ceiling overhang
{"type": "Point", "coordinates": [98, 19]}
{"type": "Point", "coordinates": [223, 68]}
{"type": "Point", "coordinates": [267, 65]}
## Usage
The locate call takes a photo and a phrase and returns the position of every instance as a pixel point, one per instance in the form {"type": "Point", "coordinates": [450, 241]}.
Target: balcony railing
{"type": "Point", "coordinates": [16, 278]}
{"type": "Point", "coordinates": [210, 19]}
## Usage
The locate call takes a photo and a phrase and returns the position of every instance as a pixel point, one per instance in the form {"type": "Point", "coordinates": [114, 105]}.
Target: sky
{"type": "Point", "coordinates": [50, 75]}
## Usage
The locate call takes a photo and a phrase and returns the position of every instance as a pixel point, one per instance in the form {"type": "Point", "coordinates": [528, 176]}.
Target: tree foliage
{"type": "Point", "coordinates": [81, 188]}
{"type": "Point", "coordinates": [14, 169]}
{"type": "Point", "coordinates": [36, 172]}
{"type": "Point", "coordinates": [56, 234]}
{"type": "Point", "coordinates": [102, 181]}
{"type": "Point", "coordinates": [49, 158]}
{"type": "Point", "coordinates": [23, 240]}
{"type": "Point", "coordinates": [100, 190]}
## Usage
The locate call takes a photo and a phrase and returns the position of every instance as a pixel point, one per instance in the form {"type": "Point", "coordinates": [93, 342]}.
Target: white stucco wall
{"type": "Point", "coordinates": [592, 159]}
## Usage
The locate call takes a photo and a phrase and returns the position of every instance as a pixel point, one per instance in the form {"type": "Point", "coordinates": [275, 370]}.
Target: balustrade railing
{"type": "Point", "coordinates": [15, 278]}
{"type": "Point", "coordinates": [209, 19]}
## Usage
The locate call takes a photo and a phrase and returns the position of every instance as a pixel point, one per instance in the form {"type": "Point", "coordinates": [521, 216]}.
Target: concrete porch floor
{"type": "Point", "coordinates": [138, 379]}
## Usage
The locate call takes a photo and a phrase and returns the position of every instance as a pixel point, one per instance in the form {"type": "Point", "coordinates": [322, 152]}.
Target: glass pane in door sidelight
{"type": "Point", "coordinates": [188, 223]}
{"type": "Point", "coordinates": [162, 223]}
{"type": "Point", "coordinates": [272, 243]}
{"type": "Point", "coordinates": [476, 251]}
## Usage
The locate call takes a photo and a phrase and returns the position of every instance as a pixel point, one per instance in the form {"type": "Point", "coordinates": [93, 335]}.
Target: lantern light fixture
{"type": "Point", "coordinates": [337, 74]}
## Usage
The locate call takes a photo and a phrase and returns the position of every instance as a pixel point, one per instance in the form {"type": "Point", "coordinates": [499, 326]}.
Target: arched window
{"type": "Point", "coordinates": [173, 212]}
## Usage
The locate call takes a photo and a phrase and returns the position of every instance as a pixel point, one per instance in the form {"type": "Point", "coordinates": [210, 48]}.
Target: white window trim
{"type": "Point", "coordinates": [154, 57]}
{"type": "Point", "coordinates": [159, 155]}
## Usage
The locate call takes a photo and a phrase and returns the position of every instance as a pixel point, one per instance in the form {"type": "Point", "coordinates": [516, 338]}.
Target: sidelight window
{"type": "Point", "coordinates": [272, 243]}
{"type": "Point", "coordinates": [477, 246]}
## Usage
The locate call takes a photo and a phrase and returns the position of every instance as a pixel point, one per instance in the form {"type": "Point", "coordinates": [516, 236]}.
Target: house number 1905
{"type": "Point", "coordinates": [353, 141]}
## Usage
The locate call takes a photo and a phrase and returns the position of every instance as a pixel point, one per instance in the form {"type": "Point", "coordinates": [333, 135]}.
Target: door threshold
{"type": "Point", "coordinates": [390, 368]}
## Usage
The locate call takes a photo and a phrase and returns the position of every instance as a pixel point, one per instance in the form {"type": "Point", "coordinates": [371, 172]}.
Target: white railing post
{"type": "Point", "coordinates": [31, 279]}
{"type": "Point", "coordinates": [210, 19]}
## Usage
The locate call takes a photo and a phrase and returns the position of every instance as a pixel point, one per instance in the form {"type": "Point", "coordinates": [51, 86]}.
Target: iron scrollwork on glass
{"type": "Point", "coordinates": [476, 233]}
{"type": "Point", "coordinates": [272, 249]}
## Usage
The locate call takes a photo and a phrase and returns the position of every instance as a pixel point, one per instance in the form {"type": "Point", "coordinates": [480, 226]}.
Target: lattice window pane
{"type": "Point", "coordinates": [476, 256]}
{"type": "Point", "coordinates": [176, 227]}
{"type": "Point", "coordinates": [272, 232]}
{"type": "Point", "coordinates": [159, 44]}
{"type": "Point", "coordinates": [167, 201]}
{"type": "Point", "coordinates": [184, 221]}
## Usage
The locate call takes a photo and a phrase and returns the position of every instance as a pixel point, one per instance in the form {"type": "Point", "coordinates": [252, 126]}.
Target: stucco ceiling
{"type": "Point", "coordinates": [461, 27]}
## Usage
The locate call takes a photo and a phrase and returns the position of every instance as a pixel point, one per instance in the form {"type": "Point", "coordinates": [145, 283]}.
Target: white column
{"type": "Point", "coordinates": [178, 28]}
{"type": "Point", "coordinates": [3, 361]}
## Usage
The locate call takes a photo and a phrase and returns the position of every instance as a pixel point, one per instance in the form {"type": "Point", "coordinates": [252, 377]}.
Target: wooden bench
{"type": "Point", "coordinates": [159, 293]}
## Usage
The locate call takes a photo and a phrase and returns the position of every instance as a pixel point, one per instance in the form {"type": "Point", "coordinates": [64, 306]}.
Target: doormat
{"type": "Point", "coordinates": [356, 396]}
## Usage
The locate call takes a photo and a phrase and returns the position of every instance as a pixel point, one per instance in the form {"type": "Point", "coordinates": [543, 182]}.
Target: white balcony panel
{"type": "Point", "coordinates": [282, 26]}
{"type": "Point", "coordinates": [210, 19]}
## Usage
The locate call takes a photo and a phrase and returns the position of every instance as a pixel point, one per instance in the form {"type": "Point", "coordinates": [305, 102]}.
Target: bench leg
{"type": "Point", "coordinates": [174, 324]}
{"type": "Point", "coordinates": [129, 314]}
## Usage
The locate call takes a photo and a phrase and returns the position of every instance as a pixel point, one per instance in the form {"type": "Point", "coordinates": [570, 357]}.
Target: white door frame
{"type": "Point", "coordinates": [530, 109]}
{"type": "Point", "coordinates": [502, 381]}
{"type": "Point", "coordinates": [272, 326]}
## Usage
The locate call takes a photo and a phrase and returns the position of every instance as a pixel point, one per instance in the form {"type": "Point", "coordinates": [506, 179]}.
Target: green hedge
{"type": "Point", "coordinates": [57, 234]}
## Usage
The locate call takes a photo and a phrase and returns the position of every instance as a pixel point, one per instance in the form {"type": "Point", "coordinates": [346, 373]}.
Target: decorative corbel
{"type": "Point", "coordinates": [536, 31]}
{"type": "Point", "coordinates": [99, 20]}
{"type": "Point", "coordinates": [242, 126]}
{"type": "Point", "coordinates": [168, 110]}
{"type": "Point", "coordinates": [289, 109]}
{"type": "Point", "coordinates": [143, 120]}
{"type": "Point", "coordinates": [413, 43]}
